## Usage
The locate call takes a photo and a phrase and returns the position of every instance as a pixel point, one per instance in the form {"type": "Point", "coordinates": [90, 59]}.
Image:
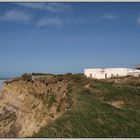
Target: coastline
{"type": "Point", "coordinates": [1, 83]}
{"type": "Point", "coordinates": [2, 80]}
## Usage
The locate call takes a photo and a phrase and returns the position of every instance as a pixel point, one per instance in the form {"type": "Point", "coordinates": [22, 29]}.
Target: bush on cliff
{"type": "Point", "coordinates": [27, 77]}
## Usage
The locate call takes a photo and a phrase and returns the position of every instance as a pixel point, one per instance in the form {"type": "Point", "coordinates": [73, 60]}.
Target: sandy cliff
{"type": "Point", "coordinates": [28, 105]}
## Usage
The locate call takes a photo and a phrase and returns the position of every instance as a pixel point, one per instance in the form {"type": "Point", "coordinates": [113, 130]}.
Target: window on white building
{"type": "Point", "coordinates": [105, 76]}
{"type": "Point", "coordinates": [90, 75]}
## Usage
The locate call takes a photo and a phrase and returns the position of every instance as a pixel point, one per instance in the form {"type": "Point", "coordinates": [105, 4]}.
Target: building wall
{"type": "Point", "coordinates": [110, 72]}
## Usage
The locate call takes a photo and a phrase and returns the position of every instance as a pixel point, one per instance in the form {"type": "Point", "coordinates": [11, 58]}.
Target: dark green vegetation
{"type": "Point", "coordinates": [41, 74]}
{"type": "Point", "coordinates": [26, 76]}
{"type": "Point", "coordinates": [107, 108]}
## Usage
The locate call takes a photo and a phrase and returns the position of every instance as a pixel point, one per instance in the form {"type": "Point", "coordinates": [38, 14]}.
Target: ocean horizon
{"type": "Point", "coordinates": [2, 81]}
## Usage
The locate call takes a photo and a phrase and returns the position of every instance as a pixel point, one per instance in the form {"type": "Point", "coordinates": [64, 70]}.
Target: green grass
{"type": "Point", "coordinates": [92, 116]}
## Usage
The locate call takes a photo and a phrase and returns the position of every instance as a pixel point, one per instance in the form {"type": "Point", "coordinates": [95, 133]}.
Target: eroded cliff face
{"type": "Point", "coordinates": [26, 106]}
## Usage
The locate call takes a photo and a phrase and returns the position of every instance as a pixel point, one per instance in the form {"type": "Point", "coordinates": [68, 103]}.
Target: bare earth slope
{"type": "Point", "coordinates": [28, 105]}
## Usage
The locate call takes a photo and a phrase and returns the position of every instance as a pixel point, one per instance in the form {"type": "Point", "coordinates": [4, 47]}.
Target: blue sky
{"type": "Point", "coordinates": [68, 37]}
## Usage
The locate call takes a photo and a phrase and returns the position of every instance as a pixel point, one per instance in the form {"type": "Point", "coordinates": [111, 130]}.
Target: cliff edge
{"type": "Point", "coordinates": [28, 105]}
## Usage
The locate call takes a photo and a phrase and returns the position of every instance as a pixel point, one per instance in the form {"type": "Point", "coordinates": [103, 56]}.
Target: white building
{"type": "Point", "coordinates": [110, 72]}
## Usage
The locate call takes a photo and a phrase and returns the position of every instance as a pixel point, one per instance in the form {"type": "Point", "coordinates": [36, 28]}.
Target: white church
{"type": "Point", "coordinates": [104, 73]}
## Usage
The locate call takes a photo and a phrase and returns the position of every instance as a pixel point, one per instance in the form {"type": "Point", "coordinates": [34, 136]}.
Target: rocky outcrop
{"type": "Point", "coordinates": [28, 105]}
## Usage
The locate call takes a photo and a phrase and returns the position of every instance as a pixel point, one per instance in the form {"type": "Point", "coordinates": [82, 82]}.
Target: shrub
{"type": "Point", "coordinates": [52, 99]}
{"type": "Point", "coordinates": [27, 77]}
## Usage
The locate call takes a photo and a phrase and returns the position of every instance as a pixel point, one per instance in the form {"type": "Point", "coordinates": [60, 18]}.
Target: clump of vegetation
{"type": "Point", "coordinates": [27, 77]}
{"type": "Point", "coordinates": [134, 83]}
{"type": "Point", "coordinates": [51, 100]}
{"type": "Point", "coordinates": [42, 74]}
{"type": "Point", "coordinates": [93, 114]}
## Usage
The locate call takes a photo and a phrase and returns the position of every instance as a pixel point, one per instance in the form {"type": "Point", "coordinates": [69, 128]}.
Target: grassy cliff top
{"type": "Point", "coordinates": [102, 108]}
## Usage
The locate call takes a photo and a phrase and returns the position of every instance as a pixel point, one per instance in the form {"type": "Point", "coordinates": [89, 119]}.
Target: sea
{"type": "Point", "coordinates": [2, 81]}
